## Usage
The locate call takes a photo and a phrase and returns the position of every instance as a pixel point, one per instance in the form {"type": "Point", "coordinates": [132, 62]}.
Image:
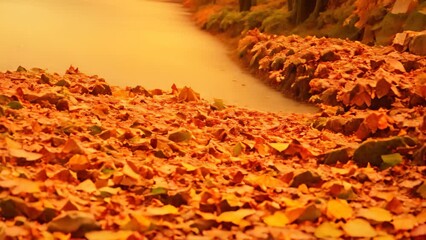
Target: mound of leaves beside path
{"type": "Point", "coordinates": [82, 159]}
{"type": "Point", "coordinates": [337, 72]}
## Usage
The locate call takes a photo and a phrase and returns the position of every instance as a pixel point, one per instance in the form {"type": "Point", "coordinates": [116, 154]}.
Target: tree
{"type": "Point", "coordinates": [245, 5]}
{"type": "Point", "coordinates": [303, 9]}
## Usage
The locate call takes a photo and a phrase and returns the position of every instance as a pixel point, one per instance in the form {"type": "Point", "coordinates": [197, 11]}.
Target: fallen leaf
{"type": "Point", "coordinates": [338, 209]}
{"type": "Point", "coordinates": [421, 190]}
{"type": "Point", "coordinates": [73, 221]}
{"type": "Point", "coordinates": [21, 153]}
{"type": "Point", "coordinates": [278, 219]}
{"type": "Point", "coordinates": [264, 181]}
{"type": "Point", "coordinates": [109, 235]}
{"type": "Point", "coordinates": [359, 228]}
{"type": "Point", "coordinates": [390, 160]}
{"type": "Point", "coordinates": [328, 230]}
{"type": "Point", "coordinates": [188, 167]}
{"type": "Point", "coordinates": [78, 162]}
{"type": "Point", "coordinates": [279, 146]}
{"type": "Point", "coordinates": [404, 222]}
{"type": "Point", "coordinates": [376, 214]}
{"type": "Point", "coordinates": [71, 146]}
{"type": "Point", "coordinates": [160, 211]}
{"type": "Point", "coordinates": [235, 217]}
{"type": "Point", "coordinates": [87, 186]}
{"type": "Point", "coordinates": [419, 232]}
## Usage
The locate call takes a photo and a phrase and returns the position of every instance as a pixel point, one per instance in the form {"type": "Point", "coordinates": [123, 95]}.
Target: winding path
{"type": "Point", "coordinates": [132, 42]}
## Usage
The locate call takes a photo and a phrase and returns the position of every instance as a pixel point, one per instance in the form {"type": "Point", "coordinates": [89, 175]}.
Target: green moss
{"type": "Point", "coordinates": [255, 18]}
{"type": "Point", "coordinates": [214, 20]}
{"type": "Point", "coordinates": [230, 19]}
{"type": "Point", "coordinates": [416, 21]}
{"type": "Point", "coordinates": [391, 25]}
{"type": "Point", "coordinates": [277, 22]}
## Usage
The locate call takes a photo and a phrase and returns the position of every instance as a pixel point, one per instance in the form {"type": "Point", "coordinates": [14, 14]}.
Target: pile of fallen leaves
{"type": "Point", "coordinates": [82, 159]}
{"type": "Point", "coordinates": [337, 72]}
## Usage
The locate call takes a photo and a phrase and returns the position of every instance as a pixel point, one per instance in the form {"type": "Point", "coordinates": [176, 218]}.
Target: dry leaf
{"type": "Point", "coordinates": [278, 219]}
{"type": "Point", "coordinates": [21, 153]}
{"type": "Point", "coordinates": [338, 209]}
{"type": "Point", "coordinates": [359, 228]}
{"type": "Point", "coordinates": [159, 211]}
{"type": "Point", "coordinates": [235, 217]}
{"type": "Point", "coordinates": [404, 222]}
{"type": "Point", "coordinates": [328, 230]}
{"type": "Point", "coordinates": [376, 214]}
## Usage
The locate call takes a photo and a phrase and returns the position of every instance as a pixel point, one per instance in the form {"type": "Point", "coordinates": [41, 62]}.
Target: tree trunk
{"type": "Point", "coordinates": [303, 9]}
{"type": "Point", "coordinates": [245, 5]}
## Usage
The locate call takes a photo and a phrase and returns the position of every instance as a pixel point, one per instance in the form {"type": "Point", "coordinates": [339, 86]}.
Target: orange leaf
{"type": "Point", "coordinates": [87, 186]}
{"type": "Point", "coordinates": [21, 153]}
{"type": "Point", "coordinates": [78, 162]}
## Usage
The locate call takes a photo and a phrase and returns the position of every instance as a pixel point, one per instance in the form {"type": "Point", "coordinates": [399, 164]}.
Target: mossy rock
{"type": "Point", "coordinates": [389, 27]}
{"type": "Point", "coordinates": [416, 21]}
{"type": "Point", "coordinates": [372, 151]}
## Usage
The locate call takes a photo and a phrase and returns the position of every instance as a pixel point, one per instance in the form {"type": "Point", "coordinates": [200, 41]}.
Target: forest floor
{"type": "Point", "coordinates": [82, 159]}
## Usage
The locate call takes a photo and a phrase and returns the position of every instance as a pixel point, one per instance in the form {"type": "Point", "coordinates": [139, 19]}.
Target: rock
{"type": "Point", "coordinates": [329, 55]}
{"type": "Point", "coordinates": [102, 89]}
{"type": "Point", "coordinates": [418, 44]}
{"type": "Point", "coordinates": [338, 155]}
{"type": "Point", "coordinates": [371, 151]}
{"type": "Point", "coordinates": [62, 105]}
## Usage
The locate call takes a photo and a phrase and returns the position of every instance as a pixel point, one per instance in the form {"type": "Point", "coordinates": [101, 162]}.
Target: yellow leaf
{"type": "Point", "coordinates": [404, 222]}
{"type": "Point", "coordinates": [188, 167]}
{"type": "Point", "coordinates": [279, 146]}
{"type": "Point", "coordinates": [87, 186]}
{"type": "Point", "coordinates": [159, 211]}
{"type": "Point", "coordinates": [233, 200]}
{"type": "Point", "coordinates": [328, 230]}
{"type": "Point", "coordinates": [359, 228]}
{"type": "Point", "coordinates": [278, 219]}
{"type": "Point", "coordinates": [339, 208]}
{"type": "Point", "coordinates": [291, 203]}
{"type": "Point", "coordinates": [375, 213]}
{"type": "Point", "coordinates": [108, 235]}
{"type": "Point", "coordinates": [235, 217]}
{"type": "Point", "coordinates": [128, 171]}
